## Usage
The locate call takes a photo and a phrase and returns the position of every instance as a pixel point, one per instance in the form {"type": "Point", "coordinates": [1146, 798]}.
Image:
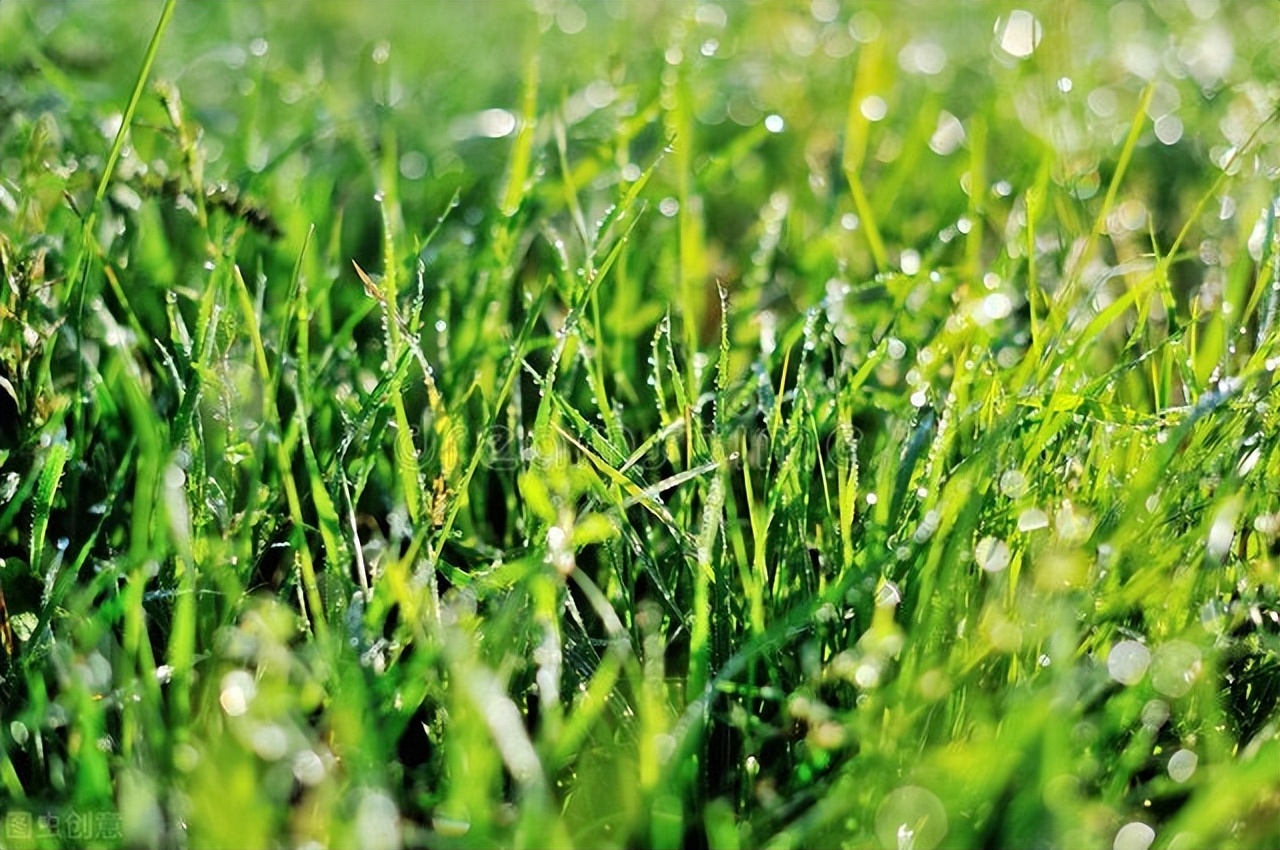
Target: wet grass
{"type": "Point", "coordinates": [767, 425]}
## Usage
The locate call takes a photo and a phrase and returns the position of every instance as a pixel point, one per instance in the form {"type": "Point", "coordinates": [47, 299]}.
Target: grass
{"type": "Point", "coordinates": [547, 425]}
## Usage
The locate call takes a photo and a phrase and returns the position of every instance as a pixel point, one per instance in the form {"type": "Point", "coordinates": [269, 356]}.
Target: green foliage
{"type": "Point", "coordinates": [746, 425]}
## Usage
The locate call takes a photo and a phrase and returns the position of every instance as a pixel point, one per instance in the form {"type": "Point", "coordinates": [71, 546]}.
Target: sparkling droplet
{"type": "Point", "coordinates": [1128, 661]}
{"type": "Point", "coordinates": [1182, 765]}
{"type": "Point", "coordinates": [1134, 836]}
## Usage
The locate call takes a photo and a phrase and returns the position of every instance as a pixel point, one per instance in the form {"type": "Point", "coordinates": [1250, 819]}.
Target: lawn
{"type": "Point", "coordinates": [639, 424]}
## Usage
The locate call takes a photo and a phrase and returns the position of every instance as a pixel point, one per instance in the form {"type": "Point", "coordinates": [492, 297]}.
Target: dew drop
{"type": "Point", "coordinates": [1019, 34]}
{"type": "Point", "coordinates": [992, 554]}
{"type": "Point", "coordinates": [1175, 668]}
{"type": "Point", "coordinates": [1013, 484]}
{"type": "Point", "coordinates": [1134, 836]}
{"type": "Point", "coordinates": [888, 595]}
{"type": "Point", "coordinates": [1128, 661]}
{"type": "Point", "coordinates": [873, 108]}
{"type": "Point", "coordinates": [1032, 519]}
{"type": "Point", "coordinates": [911, 818]}
{"type": "Point", "coordinates": [308, 767]}
{"type": "Point", "coordinates": [1182, 765]}
{"type": "Point", "coordinates": [1155, 714]}
{"type": "Point", "coordinates": [238, 690]}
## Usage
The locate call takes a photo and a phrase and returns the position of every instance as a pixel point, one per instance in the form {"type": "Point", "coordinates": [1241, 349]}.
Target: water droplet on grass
{"type": "Point", "coordinates": [238, 690]}
{"type": "Point", "coordinates": [1019, 34]}
{"type": "Point", "coordinates": [865, 26]}
{"type": "Point", "coordinates": [269, 741]}
{"type": "Point", "coordinates": [1221, 533]}
{"type": "Point", "coordinates": [997, 305]}
{"type": "Point", "coordinates": [1226, 159]}
{"type": "Point", "coordinates": [711, 15]}
{"type": "Point", "coordinates": [1013, 484]}
{"type": "Point", "coordinates": [571, 19]}
{"type": "Point", "coordinates": [413, 165]}
{"type": "Point", "coordinates": [1032, 519]}
{"type": "Point", "coordinates": [888, 594]}
{"type": "Point", "coordinates": [1168, 129]}
{"type": "Point", "coordinates": [948, 136]}
{"type": "Point", "coordinates": [1155, 714]}
{"type": "Point", "coordinates": [377, 823]}
{"type": "Point", "coordinates": [923, 57]}
{"type": "Point", "coordinates": [1128, 662]}
{"type": "Point", "coordinates": [308, 768]}
{"type": "Point", "coordinates": [1182, 765]}
{"type": "Point", "coordinates": [1134, 836]}
{"type": "Point", "coordinates": [873, 108]}
{"type": "Point", "coordinates": [911, 817]}
{"type": "Point", "coordinates": [992, 554]}
{"type": "Point", "coordinates": [1175, 667]}
{"type": "Point", "coordinates": [867, 674]}
{"type": "Point", "coordinates": [928, 524]}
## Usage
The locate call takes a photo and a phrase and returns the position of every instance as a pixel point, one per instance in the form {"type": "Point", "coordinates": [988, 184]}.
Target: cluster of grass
{"type": "Point", "coordinates": [741, 425]}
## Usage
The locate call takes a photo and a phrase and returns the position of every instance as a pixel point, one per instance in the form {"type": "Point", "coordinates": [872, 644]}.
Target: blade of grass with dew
{"type": "Point", "coordinates": [521, 158]}
{"type": "Point", "coordinates": [55, 461]}
{"type": "Point", "coordinates": [59, 583]}
{"type": "Point", "coordinates": [1113, 188]}
{"type": "Point", "coordinates": [87, 237]}
{"type": "Point", "coordinates": [407, 459]}
{"type": "Point", "coordinates": [692, 264]}
{"type": "Point", "coordinates": [866, 83]}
